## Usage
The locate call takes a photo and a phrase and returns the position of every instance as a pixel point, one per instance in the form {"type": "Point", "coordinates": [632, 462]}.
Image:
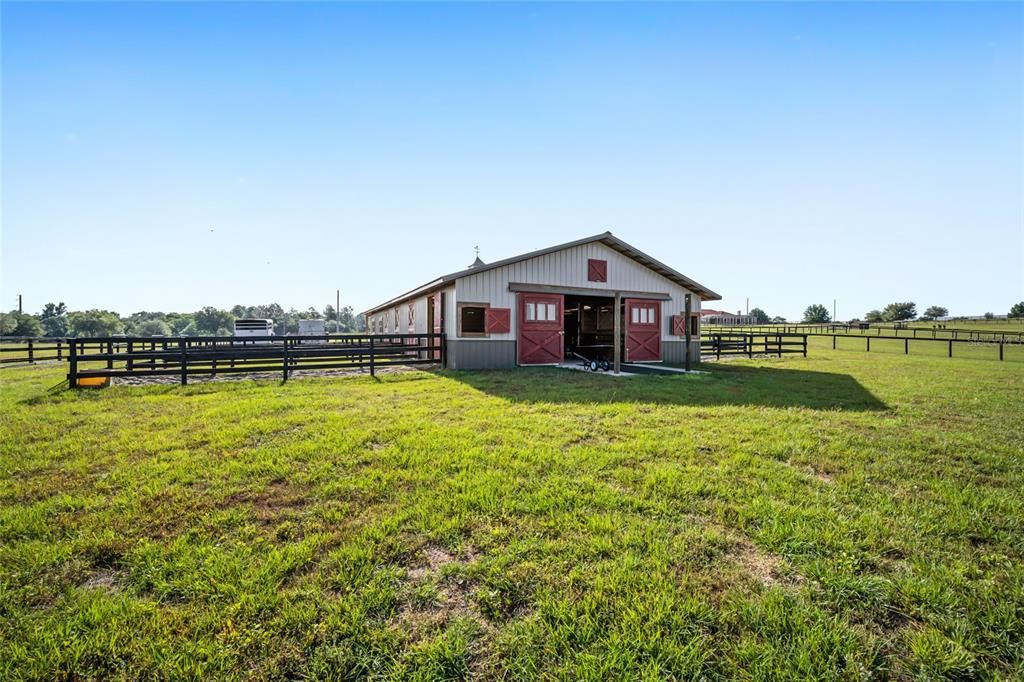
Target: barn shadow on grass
{"type": "Point", "coordinates": [720, 385]}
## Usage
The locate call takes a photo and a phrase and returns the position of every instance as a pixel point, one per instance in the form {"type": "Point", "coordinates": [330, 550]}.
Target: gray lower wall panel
{"type": "Point", "coordinates": [474, 354]}
{"type": "Point", "coordinates": [673, 351]}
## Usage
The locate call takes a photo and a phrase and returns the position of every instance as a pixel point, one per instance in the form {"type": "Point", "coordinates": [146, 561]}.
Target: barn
{"type": "Point", "coordinates": [597, 298]}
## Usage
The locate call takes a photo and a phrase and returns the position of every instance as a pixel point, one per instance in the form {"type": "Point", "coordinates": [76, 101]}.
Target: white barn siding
{"type": "Point", "coordinates": [567, 268]}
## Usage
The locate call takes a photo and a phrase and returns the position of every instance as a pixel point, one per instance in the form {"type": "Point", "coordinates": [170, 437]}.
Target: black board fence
{"type": "Point", "coordinates": [183, 357]}
{"type": "Point", "coordinates": [751, 344]}
{"type": "Point", "coordinates": [31, 349]}
{"type": "Point", "coordinates": [880, 330]}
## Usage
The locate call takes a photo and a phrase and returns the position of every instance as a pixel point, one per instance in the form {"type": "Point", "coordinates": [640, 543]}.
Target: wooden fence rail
{"type": "Point", "coordinates": [750, 344]}
{"type": "Point", "coordinates": [183, 357]}
{"type": "Point", "coordinates": [877, 330]}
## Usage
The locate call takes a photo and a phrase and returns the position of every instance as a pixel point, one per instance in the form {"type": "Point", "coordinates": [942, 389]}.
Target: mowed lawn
{"type": "Point", "coordinates": [843, 516]}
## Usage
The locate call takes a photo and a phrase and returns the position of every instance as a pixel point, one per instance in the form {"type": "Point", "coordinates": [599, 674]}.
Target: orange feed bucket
{"type": "Point", "coordinates": [93, 382]}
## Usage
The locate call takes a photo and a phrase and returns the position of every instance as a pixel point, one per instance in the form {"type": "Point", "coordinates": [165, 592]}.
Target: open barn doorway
{"type": "Point", "coordinates": [590, 330]}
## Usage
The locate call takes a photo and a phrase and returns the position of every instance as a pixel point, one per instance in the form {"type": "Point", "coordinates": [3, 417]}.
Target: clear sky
{"type": "Point", "coordinates": [170, 156]}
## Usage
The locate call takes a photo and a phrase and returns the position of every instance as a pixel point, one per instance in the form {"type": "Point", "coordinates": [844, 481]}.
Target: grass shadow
{"type": "Point", "coordinates": [721, 385]}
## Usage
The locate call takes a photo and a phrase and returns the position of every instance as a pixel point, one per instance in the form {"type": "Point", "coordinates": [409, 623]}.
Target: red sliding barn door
{"type": "Point", "coordinates": [643, 330]}
{"type": "Point", "coordinates": [540, 329]}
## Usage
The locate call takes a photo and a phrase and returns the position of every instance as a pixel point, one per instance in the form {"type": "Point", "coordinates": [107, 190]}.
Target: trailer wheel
{"type": "Point", "coordinates": [605, 366]}
{"type": "Point", "coordinates": [593, 365]}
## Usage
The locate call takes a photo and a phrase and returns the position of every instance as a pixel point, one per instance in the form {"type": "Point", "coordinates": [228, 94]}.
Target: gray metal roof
{"type": "Point", "coordinates": [606, 238]}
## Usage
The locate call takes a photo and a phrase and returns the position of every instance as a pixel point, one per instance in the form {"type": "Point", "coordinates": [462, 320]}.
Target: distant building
{"type": "Point", "coordinates": [723, 318]}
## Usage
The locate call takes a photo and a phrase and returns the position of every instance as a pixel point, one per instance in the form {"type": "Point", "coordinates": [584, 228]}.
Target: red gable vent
{"type": "Point", "coordinates": [498, 320]}
{"type": "Point", "coordinates": [597, 270]}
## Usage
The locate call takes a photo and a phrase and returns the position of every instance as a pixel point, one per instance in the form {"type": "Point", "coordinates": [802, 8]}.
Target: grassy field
{"type": "Point", "coordinates": [843, 516]}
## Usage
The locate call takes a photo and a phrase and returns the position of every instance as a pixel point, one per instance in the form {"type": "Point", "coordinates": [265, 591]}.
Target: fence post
{"type": "Point", "coordinates": [869, 344]}
{"type": "Point", "coordinates": [833, 342]}
{"type": "Point", "coordinates": [906, 346]}
{"type": "Point", "coordinates": [372, 371]}
{"type": "Point", "coordinates": [184, 361]}
{"type": "Point", "coordinates": [31, 358]}
{"type": "Point", "coordinates": [110, 353]}
{"type": "Point", "coordinates": [130, 362]}
{"type": "Point", "coordinates": [1000, 350]}
{"type": "Point", "coordinates": [284, 355]}
{"type": "Point", "coordinates": [718, 347]}
{"type": "Point", "coordinates": [72, 365]}
{"type": "Point", "coordinates": [60, 356]}
{"type": "Point", "coordinates": [951, 348]}
{"type": "Point", "coordinates": [444, 351]}
{"type": "Point", "coordinates": [805, 345]}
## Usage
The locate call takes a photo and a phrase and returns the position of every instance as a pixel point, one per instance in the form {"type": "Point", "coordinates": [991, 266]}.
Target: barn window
{"type": "Point", "coordinates": [541, 312]}
{"type": "Point", "coordinates": [694, 321]}
{"type": "Point", "coordinates": [473, 319]}
{"type": "Point", "coordinates": [643, 314]}
{"type": "Point", "coordinates": [597, 270]}
{"type": "Point", "coordinates": [412, 317]}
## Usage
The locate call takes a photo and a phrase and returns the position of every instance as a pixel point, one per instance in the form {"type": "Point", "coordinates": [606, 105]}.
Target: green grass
{"type": "Point", "coordinates": [844, 516]}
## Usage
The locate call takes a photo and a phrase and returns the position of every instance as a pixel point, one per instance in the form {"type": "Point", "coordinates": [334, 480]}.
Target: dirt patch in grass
{"type": "Point", "coordinates": [813, 472]}
{"type": "Point", "coordinates": [434, 559]}
{"type": "Point", "coordinates": [757, 563]}
{"type": "Point", "coordinates": [436, 595]}
{"type": "Point", "coordinates": [103, 579]}
{"type": "Point", "coordinates": [278, 500]}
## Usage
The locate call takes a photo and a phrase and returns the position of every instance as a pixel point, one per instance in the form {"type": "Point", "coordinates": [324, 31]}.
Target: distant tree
{"type": "Point", "coordinates": [239, 311]}
{"type": "Point", "coordinates": [873, 316]}
{"type": "Point", "coordinates": [990, 316]}
{"type": "Point", "coordinates": [897, 312]}
{"type": "Point", "coordinates": [1017, 310]}
{"type": "Point", "coordinates": [211, 320]}
{"type": "Point", "coordinates": [935, 311]}
{"type": "Point", "coordinates": [20, 324]}
{"type": "Point", "coordinates": [350, 322]}
{"type": "Point", "coordinates": [816, 313]}
{"type": "Point", "coordinates": [7, 324]}
{"type": "Point", "coordinates": [178, 321]}
{"type": "Point", "coordinates": [55, 326]}
{"type": "Point", "coordinates": [54, 319]}
{"type": "Point", "coordinates": [94, 323]}
{"type": "Point", "coordinates": [53, 310]}
{"type": "Point", "coordinates": [760, 316]}
{"type": "Point", "coordinates": [152, 327]}
{"type": "Point", "coordinates": [778, 319]}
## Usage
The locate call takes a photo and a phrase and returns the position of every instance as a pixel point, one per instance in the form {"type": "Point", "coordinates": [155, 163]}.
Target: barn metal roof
{"type": "Point", "coordinates": [606, 238]}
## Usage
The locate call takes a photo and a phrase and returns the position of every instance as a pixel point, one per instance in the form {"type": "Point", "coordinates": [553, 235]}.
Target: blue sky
{"type": "Point", "coordinates": [170, 156]}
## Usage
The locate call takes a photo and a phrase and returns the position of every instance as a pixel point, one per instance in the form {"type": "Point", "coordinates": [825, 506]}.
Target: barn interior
{"type": "Point", "coordinates": [589, 326]}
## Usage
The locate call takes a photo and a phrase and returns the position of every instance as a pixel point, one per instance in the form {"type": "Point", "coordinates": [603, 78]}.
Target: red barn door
{"type": "Point", "coordinates": [643, 330]}
{"type": "Point", "coordinates": [540, 329]}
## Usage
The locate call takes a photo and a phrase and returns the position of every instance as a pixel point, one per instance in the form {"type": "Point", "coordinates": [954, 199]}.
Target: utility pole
{"type": "Point", "coordinates": [748, 305]}
{"type": "Point", "coordinates": [834, 309]}
{"type": "Point", "coordinates": [19, 304]}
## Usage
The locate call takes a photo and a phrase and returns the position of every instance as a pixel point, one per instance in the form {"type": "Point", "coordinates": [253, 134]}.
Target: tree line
{"type": "Point", "coordinates": [55, 320]}
{"type": "Point", "coordinates": [897, 312]}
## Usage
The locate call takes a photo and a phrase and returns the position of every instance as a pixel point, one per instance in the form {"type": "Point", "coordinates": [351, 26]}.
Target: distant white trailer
{"type": "Point", "coordinates": [249, 327]}
{"type": "Point", "coordinates": [312, 328]}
